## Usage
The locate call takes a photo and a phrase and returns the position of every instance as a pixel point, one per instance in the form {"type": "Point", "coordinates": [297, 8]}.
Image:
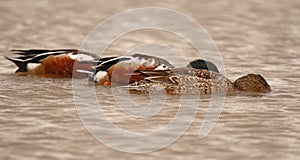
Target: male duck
{"type": "Point", "coordinates": [54, 63]}
{"type": "Point", "coordinates": [123, 70]}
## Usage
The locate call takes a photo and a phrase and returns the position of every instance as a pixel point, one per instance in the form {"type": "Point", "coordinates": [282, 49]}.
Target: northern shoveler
{"type": "Point", "coordinates": [54, 63]}
{"type": "Point", "coordinates": [191, 80]}
{"type": "Point", "coordinates": [121, 70]}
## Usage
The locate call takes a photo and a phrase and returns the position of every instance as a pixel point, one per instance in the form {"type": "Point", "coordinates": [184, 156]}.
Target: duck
{"type": "Point", "coordinates": [57, 63]}
{"type": "Point", "coordinates": [122, 70]}
{"type": "Point", "coordinates": [195, 80]}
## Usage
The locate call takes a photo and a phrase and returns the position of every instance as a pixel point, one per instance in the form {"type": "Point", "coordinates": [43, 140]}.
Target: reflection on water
{"type": "Point", "coordinates": [39, 118]}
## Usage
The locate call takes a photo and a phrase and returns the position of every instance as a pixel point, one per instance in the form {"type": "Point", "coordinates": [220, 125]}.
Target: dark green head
{"type": "Point", "coordinates": [203, 64]}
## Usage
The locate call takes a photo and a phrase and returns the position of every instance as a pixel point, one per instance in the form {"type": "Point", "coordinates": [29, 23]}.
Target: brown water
{"type": "Point", "coordinates": [39, 119]}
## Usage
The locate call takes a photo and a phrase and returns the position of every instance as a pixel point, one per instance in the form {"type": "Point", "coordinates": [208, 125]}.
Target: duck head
{"type": "Point", "coordinates": [252, 83]}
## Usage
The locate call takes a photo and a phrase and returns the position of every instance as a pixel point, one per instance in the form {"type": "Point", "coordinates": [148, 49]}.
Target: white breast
{"type": "Point", "coordinates": [32, 66]}
{"type": "Point", "coordinates": [81, 57]}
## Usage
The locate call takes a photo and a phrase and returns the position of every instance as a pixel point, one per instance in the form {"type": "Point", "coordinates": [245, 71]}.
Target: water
{"type": "Point", "coordinates": [39, 119]}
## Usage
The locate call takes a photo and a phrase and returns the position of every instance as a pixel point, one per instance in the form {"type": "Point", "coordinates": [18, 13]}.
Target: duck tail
{"type": "Point", "coordinates": [22, 64]}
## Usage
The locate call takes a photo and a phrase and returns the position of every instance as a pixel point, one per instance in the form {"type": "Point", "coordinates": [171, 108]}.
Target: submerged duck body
{"type": "Point", "coordinates": [123, 70]}
{"type": "Point", "coordinates": [53, 63]}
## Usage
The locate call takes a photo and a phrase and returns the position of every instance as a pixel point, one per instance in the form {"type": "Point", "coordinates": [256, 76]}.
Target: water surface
{"type": "Point", "coordinates": [39, 119]}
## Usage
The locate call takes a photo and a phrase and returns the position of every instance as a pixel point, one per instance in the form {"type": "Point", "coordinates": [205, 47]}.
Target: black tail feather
{"type": "Point", "coordinates": [38, 54]}
{"type": "Point", "coordinates": [20, 63]}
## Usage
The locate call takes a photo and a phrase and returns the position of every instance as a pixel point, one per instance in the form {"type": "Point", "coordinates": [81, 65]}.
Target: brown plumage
{"type": "Point", "coordinates": [187, 80]}
{"type": "Point", "coordinates": [60, 66]}
{"type": "Point", "coordinates": [124, 73]}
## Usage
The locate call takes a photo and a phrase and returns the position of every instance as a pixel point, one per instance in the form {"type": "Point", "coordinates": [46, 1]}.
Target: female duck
{"type": "Point", "coordinates": [191, 80]}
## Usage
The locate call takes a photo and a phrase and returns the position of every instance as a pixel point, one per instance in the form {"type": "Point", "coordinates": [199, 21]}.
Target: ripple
{"type": "Point", "coordinates": [39, 118]}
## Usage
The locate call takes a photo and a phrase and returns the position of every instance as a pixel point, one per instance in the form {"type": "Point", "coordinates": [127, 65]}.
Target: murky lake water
{"type": "Point", "coordinates": [39, 119]}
